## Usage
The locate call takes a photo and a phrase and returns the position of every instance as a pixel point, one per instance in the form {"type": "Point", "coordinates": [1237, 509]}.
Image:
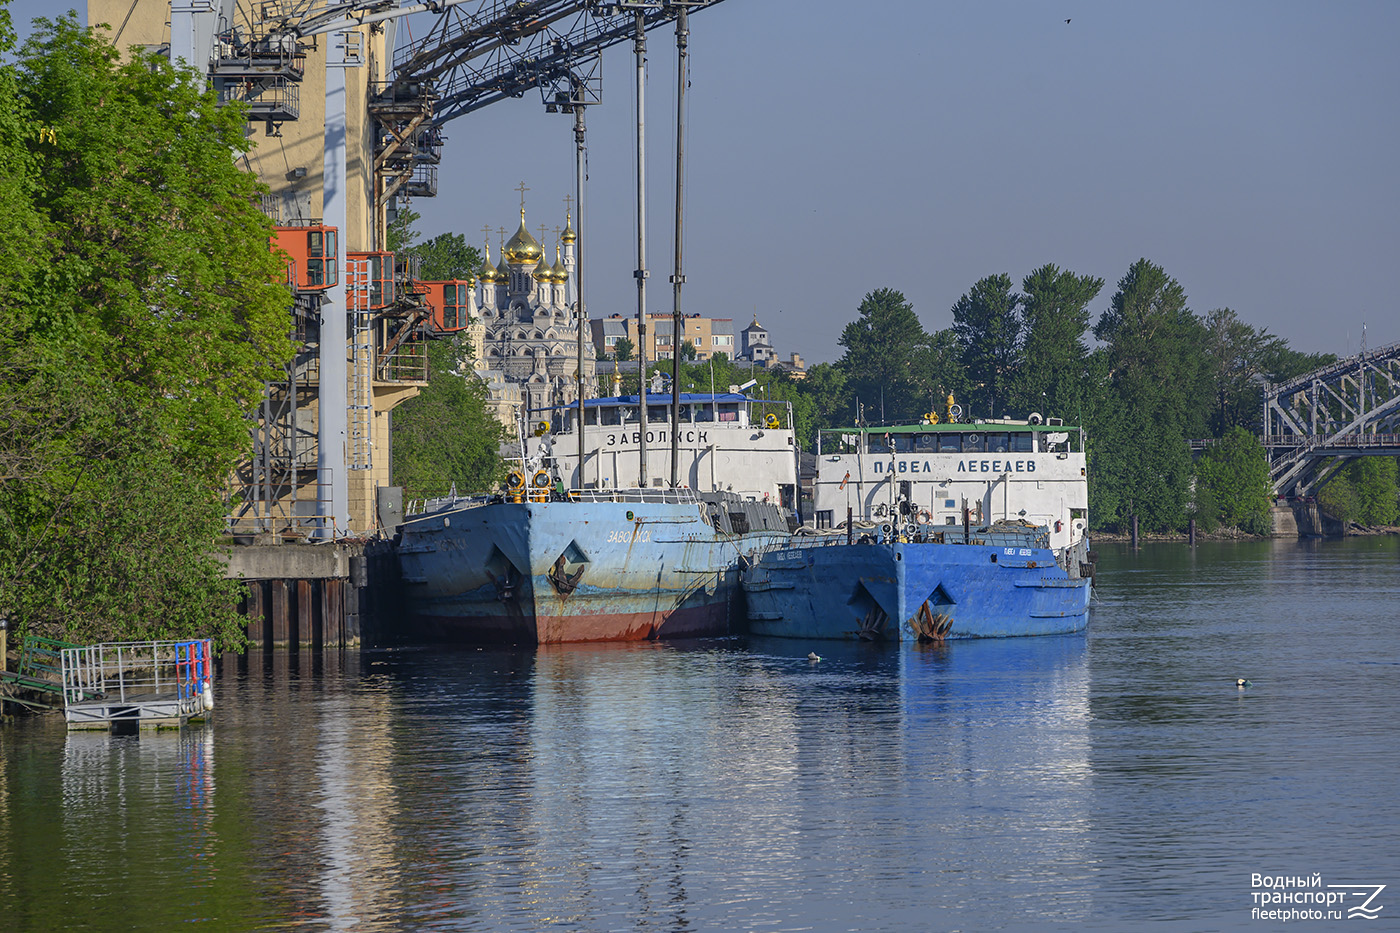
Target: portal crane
{"type": "Point", "coordinates": [500, 49]}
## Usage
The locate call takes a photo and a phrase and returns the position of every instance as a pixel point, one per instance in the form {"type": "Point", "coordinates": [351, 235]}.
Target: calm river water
{"type": "Point", "coordinates": [1102, 781]}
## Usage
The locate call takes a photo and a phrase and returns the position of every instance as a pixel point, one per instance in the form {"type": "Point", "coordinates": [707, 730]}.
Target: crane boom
{"type": "Point", "coordinates": [503, 49]}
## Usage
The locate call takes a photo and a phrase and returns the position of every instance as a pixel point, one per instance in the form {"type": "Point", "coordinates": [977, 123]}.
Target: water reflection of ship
{"type": "Point", "coordinates": [632, 754]}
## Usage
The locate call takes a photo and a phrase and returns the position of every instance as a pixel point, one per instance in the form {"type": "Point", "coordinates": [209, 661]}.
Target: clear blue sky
{"type": "Point", "coordinates": [1250, 148]}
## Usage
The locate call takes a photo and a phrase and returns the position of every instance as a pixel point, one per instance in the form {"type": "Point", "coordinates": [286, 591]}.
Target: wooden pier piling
{"type": "Point", "coordinates": [311, 597]}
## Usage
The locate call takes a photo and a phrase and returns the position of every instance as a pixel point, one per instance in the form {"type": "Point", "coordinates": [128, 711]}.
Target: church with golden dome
{"type": "Point", "coordinates": [527, 340]}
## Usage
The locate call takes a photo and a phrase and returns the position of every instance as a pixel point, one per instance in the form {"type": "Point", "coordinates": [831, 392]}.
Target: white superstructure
{"type": "Point", "coordinates": [728, 442]}
{"type": "Point", "coordinates": [951, 474]}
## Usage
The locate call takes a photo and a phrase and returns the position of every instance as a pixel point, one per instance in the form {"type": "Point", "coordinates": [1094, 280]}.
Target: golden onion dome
{"type": "Point", "coordinates": [569, 236]}
{"type": "Point", "coordinates": [502, 271]}
{"type": "Point", "coordinates": [561, 275]}
{"type": "Point", "coordinates": [543, 273]}
{"type": "Point", "coordinates": [523, 248]}
{"type": "Point", "coordinates": [487, 272]}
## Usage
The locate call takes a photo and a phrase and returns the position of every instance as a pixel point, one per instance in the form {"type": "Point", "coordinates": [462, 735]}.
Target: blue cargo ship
{"type": "Point", "coordinates": [540, 565]}
{"type": "Point", "coordinates": [950, 531]}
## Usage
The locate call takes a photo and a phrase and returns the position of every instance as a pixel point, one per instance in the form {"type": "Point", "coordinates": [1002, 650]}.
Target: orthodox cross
{"type": "Point", "coordinates": [522, 189]}
{"type": "Point", "coordinates": [568, 203]}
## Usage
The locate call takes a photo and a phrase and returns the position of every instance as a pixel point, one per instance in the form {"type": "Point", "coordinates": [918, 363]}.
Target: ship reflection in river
{"type": "Point", "coordinates": [1102, 781]}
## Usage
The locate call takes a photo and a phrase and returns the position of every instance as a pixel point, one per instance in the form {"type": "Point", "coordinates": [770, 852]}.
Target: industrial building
{"type": "Point", "coordinates": [344, 120]}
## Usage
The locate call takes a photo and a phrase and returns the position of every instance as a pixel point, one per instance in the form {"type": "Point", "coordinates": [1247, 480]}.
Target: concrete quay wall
{"type": "Point", "coordinates": [314, 596]}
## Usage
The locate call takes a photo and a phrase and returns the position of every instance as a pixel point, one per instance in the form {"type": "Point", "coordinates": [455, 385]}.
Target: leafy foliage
{"type": "Point", "coordinates": [1157, 379]}
{"type": "Point", "coordinates": [1364, 491]}
{"type": "Point", "coordinates": [624, 350]}
{"type": "Point", "coordinates": [1055, 317]}
{"type": "Point", "coordinates": [1236, 474]}
{"type": "Point", "coordinates": [1239, 354]}
{"type": "Point", "coordinates": [445, 256]}
{"type": "Point", "coordinates": [446, 437]}
{"type": "Point", "coordinates": [987, 324]}
{"type": "Point", "coordinates": [142, 316]}
{"type": "Point", "coordinates": [885, 357]}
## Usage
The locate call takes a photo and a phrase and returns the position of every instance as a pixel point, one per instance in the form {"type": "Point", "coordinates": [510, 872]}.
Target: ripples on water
{"type": "Point", "coordinates": [1102, 781]}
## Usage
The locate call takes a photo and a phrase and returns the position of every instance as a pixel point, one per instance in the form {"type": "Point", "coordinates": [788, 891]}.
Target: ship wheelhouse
{"type": "Point", "coordinates": [970, 474]}
{"type": "Point", "coordinates": [726, 442]}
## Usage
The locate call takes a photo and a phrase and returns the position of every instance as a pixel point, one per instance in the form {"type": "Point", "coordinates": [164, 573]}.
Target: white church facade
{"type": "Point", "coordinates": [526, 344]}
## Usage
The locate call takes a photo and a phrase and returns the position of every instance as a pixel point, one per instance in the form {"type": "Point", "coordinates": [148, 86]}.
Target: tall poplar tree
{"type": "Point", "coordinates": [881, 362]}
{"type": "Point", "coordinates": [1159, 378]}
{"type": "Point", "coordinates": [1055, 315]}
{"type": "Point", "coordinates": [987, 324]}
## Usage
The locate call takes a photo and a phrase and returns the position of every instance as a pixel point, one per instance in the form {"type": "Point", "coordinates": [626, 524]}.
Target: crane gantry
{"type": "Point", "coordinates": [476, 53]}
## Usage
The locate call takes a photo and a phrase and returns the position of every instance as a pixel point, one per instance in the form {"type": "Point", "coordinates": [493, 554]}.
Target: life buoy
{"type": "Point", "coordinates": [923, 518]}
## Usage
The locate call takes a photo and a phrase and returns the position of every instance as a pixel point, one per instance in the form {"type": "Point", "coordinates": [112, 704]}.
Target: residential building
{"type": "Point", "coordinates": [708, 335]}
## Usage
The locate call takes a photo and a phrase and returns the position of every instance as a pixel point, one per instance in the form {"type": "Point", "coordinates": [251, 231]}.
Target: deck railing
{"type": "Point", "coordinates": [675, 495]}
{"type": "Point", "coordinates": [126, 671]}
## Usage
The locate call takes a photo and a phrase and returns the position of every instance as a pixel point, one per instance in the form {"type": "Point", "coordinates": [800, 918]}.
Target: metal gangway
{"type": "Point", "coordinates": [1315, 423]}
{"type": "Point", "coordinates": [140, 684]}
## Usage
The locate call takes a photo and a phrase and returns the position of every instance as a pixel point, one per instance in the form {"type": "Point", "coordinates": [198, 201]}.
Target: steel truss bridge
{"type": "Point", "coordinates": [1315, 423]}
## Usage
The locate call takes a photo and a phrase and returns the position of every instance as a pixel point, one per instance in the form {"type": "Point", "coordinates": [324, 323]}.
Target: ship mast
{"type": "Point", "coordinates": [641, 271]}
{"type": "Point", "coordinates": [580, 315]}
{"type": "Point", "coordinates": [678, 278]}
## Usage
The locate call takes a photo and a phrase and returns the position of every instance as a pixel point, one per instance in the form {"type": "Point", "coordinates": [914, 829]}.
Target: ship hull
{"type": "Point", "coordinates": [554, 572]}
{"type": "Point", "coordinates": [912, 591]}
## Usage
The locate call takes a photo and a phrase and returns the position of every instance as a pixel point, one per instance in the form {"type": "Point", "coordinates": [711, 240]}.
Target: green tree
{"type": "Point", "coordinates": [688, 351]}
{"type": "Point", "coordinates": [825, 385]}
{"type": "Point", "coordinates": [1280, 363]}
{"type": "Point", "coordinates": [1055, 314]}
{"type": "Point", "coordinates": [1236, 473]}
{"type": "Point", "coordinates": [1364, 491]}
{"type": "Point", "coordinates": [883, 348]}
{"type": "Point", "coordinates": [1238, 354]}
{"type": "Point", "coordinates": [446, 437]}
{"type": "Point", "coordinates": [987, 324]}
{"type": "Point", "coordinates": [445, 256]}
{"type": "Point", "coordinates": [623, 350]}
{"type": "Point", "coordinates": [402, 232]}
{"type": "Point", "coordinates": [136, 339]}
{"type": "Point", "coordinates": [939, 372]}
{"type": "Point", "coordinates": [1153, 396]}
